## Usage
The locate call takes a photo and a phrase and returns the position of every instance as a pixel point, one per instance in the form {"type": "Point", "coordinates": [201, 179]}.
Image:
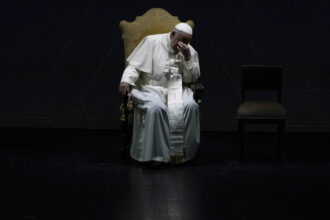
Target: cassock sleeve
{"type": "Point", "coordinates": [191, 70]}
{"type": "Point", "coordinates": [130, 75]}
{"type": "Point", "coordinates": [141, 57]}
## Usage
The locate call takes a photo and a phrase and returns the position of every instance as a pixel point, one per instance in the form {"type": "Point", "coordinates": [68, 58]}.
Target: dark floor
{"type": "Point", "coordinates": [77, 174]}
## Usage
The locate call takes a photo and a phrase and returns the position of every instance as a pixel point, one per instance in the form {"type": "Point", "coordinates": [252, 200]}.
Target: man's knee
{"type": "Point", "coordinates": [156, 109]}
{"type": "Point", "coordinates": [191, 105]}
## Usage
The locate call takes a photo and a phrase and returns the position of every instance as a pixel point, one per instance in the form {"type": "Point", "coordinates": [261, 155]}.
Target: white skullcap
{"type": "Point", "coordinates": [184, 27]}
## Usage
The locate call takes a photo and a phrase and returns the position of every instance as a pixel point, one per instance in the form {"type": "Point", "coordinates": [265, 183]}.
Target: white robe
{"type": "Point", "coordinates": [166, 117]}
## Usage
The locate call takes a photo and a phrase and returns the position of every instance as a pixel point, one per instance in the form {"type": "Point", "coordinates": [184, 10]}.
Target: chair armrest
{"type": "Point", "coordinates": [197, 87]}
{"type": "Point", "coordinates": [198, 90]}
{"type": "Point", "coordinates": [126, 107]}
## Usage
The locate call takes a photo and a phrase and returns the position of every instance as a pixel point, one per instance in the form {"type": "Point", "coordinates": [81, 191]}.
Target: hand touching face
{"type": "Point", "coordinates": [179, 43]}
{"type": "Point", "coordinates": [184, 49]}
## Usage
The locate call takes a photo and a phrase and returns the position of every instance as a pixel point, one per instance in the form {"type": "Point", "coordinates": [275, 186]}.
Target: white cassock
{"type": "Point", "coordinates": [166, 117]}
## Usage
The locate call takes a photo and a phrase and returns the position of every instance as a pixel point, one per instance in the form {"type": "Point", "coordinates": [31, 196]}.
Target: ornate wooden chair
{"type": "Point", "coordinates": [154, 21]}
{"type": "Point", "coordinates": [261, 77]}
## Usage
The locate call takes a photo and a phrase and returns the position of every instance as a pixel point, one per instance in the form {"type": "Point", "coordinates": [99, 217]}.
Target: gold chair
{"type": "Point", "coordinates": [154, 21]}
{"type": "Point", "coordinates": [261, 77]}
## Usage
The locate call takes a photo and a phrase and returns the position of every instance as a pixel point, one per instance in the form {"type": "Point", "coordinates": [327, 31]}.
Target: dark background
{"type": "Point", "coordinates": [62, 60]}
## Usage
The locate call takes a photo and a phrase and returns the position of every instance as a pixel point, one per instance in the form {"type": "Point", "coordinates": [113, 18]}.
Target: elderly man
{"type": "Point", "coordinates": [166, 121]}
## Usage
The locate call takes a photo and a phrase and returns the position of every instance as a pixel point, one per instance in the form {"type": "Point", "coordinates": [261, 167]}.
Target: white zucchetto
{"type": "Point", "coordinates": [184, 27]}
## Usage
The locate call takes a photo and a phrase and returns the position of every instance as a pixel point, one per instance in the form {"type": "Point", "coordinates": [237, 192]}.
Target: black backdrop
{"type": "Point", "coordinates": [62, 60]}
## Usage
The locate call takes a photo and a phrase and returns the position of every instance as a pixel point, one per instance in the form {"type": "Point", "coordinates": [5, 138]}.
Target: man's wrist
{"type": "Point", "coordinates": [188, 63]}
{"type": "Point", "coordinates": [128, 81]}
{"type": "Point", "coordinates": [187, 58]}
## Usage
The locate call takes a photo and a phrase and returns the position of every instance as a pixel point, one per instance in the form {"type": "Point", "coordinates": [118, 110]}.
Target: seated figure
{"type": "Point", "coordinates": [166, 116]}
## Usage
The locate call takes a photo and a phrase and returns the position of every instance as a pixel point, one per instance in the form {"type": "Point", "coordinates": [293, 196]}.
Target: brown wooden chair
{"type": "Point", "coordinates": [154, 21]}
{"type": "Point", "coordinates": [261, 77]}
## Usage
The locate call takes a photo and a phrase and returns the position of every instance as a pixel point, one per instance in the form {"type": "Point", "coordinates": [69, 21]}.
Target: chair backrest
{"type": "Point", "coordinates": [261, 77]}
{"type": "Point", "coordinates": [154, 21]}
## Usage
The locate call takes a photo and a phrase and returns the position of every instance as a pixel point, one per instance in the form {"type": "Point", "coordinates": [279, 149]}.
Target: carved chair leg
{"type": "Point", "coordinates": [123, 149]}
{"type": "Point", "coordinates": [241, 139]}
{"type": "Point", "coordinates": [126, 133]}
{"type": "Point", "coordinates": [280, 140]}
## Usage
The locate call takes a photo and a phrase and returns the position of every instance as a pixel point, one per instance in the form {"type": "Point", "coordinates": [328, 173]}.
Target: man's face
{"type": "Point", "coordinates": [179, 36]}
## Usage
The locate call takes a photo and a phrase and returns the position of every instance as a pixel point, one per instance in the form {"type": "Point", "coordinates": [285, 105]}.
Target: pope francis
{"type": "Point", "coordinates": [166, 117]}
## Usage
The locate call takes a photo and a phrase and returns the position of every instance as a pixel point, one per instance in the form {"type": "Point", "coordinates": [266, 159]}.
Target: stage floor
{"type": "Point", "coordinates": [77, 174]}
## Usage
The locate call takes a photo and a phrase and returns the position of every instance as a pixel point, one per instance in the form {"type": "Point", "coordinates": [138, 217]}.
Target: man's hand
{"type": "Point", "coordinates": [184, 48]}
{"type": "Point", "coordinates": [123, 88]}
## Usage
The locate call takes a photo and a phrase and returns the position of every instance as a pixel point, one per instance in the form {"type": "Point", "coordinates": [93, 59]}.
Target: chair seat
{"type": "Point", "coordinates": [261, 109]}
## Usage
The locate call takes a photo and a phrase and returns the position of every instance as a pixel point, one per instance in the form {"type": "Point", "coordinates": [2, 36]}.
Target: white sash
{"type": "Point", "coordinates": [175, 109]}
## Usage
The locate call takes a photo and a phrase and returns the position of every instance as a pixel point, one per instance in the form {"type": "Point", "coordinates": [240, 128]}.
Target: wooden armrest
{"type": "Point", "coordinates": [197, 87]}
{"type": "Point", "coordinates": [126, 107]}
